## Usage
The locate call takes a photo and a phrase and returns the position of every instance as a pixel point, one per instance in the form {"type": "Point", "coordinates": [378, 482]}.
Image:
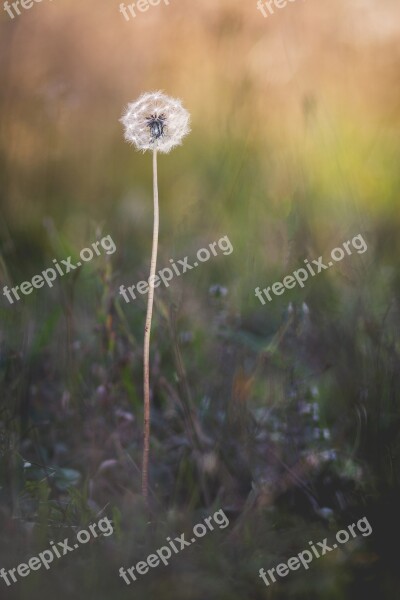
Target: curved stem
{"type": "Point", "coordinates": [147, 331]}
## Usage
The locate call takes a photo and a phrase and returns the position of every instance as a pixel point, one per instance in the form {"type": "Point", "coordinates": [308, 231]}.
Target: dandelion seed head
{"type": "Point", "coordinates": [155, 122]}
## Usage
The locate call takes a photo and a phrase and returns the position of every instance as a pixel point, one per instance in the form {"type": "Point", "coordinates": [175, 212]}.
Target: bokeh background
{"type": "Point", "coordinates": [286, 415]}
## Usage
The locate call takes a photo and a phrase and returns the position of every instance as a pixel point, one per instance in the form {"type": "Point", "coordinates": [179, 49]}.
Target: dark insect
{"type": "Point", "coordinates": [156, 126]}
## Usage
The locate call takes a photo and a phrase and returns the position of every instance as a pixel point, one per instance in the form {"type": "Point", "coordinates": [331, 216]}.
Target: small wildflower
{"type": "Point", "coordinates": [305, 408]}
{"type": "Point", "coordinates": [326, 434]}
{"type": "Point", "coordinates": [329, 455]}
{"type": "Point", "coordinates": [325, 513]}
{"type": "Point", "coordinates": [218, 291]}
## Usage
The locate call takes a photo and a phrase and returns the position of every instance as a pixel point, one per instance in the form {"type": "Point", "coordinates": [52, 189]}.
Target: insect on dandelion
{"type": "Point", "coordinates": [158, 123]}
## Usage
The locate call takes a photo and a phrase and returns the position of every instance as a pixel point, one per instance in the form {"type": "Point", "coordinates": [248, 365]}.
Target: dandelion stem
{"type": "Point", "coordinates": [147, 331]}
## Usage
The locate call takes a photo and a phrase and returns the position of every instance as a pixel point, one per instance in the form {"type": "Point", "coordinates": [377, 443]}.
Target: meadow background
{"type": "Point", "coordinates": [287, 415]}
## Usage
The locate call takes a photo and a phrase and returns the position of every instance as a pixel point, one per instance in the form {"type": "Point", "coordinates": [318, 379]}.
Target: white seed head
{"type": "Point", "coordinates": [155, 122]}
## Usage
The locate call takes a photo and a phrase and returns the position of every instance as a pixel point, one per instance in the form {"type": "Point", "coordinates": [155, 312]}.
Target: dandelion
{"type": "Point", "coordinates": [158, 123]}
